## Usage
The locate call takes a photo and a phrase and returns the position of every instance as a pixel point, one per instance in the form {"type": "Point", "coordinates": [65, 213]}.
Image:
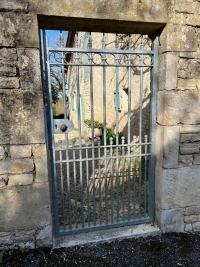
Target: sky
{"type": "Point", "coordinates": [54, 34]}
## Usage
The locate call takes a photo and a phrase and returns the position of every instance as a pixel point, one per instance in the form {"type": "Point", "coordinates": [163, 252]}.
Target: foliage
{"type": "Point", "coordinates": [111, 133]}
{"type": "Point", "coordinates": [24, 249]}
{"type": "Point", "coordinates": [2, 252]}
{"type": "Point", "coordinates": [97, 124]}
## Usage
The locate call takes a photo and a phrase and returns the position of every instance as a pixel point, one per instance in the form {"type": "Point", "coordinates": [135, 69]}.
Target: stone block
{"type": "Point", "coordinates": [178, 38]}
{"type": "Point", "coordinates": [8, 70]}
{"type": "Point", "coordinates": [44, 237]}
{"type": "Point", "coordinates": [172, 221]}
{"type": "Point", "coordinates": [2, 153]}
{"type": "Point", "coordinates": [196, 226]}
{"type": "Point", "coordinates": [192, 210]}
{"type": "Point", "coordinates": [192, 218]}
{"type": "Point", "coordinates": [18, 30]}
{"type": "Point", "coordinates": [185, 160]}
{"type": "Point", "coordinates": [188, 227]}
{"type": "Point", "coordinates": [9, 83]}
{"type": "Point", "coordinates": [190, 137]}
{"type": "Point", "coordinates": [14, 5]}
{"type": "Point", "coordinates": [189, 148]}
{"type": "Point", "coordinates": [154, 11]}
{"type": "Point", "coordinates": [40, 160]}
{"type": "Point", "coordinates": [189, 129]}
{"type": "Point", "coordinates": [159, 145]}
{"type": "Point", "coordinates": [20, 152]}
{"type": "Point", "coordinates": [8, 56]}
{"type": "Point", "coordinates": [189, 68]}
{"type": "Point", "coordinates": [28, 207]}
{"type": "Point", "coordinates": [29, 69]}
{"type": "Point", "coordinates": [185, 6]}
{"type": "Point", "coordinates": [21, 179]}
{"type": "Point", "coordinates": [178, 183]}
{"type": "Point", "coordinates": [196, 160]}
{"type": "Point", "coordinates": [189, 55]}
{"type": "Point", "coordinates": [188, 84]}
{"type": "Point", "coordinates": [178, 107]}
{"type": "Point", "coordinates": [171, 147]}
{"type": "Point", "coordinates": [167, 76]}
{"type": "Point", "coordinates": [21, 115]}
{"type": "Point", "coordinates": [16, 166]}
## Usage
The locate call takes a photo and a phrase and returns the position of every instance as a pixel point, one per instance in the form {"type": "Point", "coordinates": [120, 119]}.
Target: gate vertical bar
{"type": "Point", "coordinates": [129, 122]}
{"type": "Point", "coordinates": [104, 127]}
{"type": "Point", "coordinates": [117, 127]}
{"type": "Point", "coordinates": [140, 121]}
{"type": "Point", "coordinates": [154, 78]}
{"type": "Point", "coordinates": [66, 135]}
{"type": "Point", "coordinates": [80, 130]}
{"type": "Point", "coordinates": [92, 128]}
{"type": "Point", "coordinates": [50, 131]}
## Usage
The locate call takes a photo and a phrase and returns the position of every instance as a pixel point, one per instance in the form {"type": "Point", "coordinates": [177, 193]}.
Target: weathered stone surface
{"type": "Point", "coordinates": [178, 107]}
{"type": "Point", "coordinates": [192, 218]}
{"type": "Point", "coordinates": [2, 153]}
{"type": "Point", "coordinates": [13, 5]}
{"type": "Point", "coordinates": [189, 55]}
{"type": "Point", "coordinates": [192, 210]}
{"type": "Point", "coordinates": [28, 207]}
{"type": "Point", "coordinates": [167, 78]}
{"type": "Point", "coordinates": [9, 83]}
{"type": "Point", "coordinates": [172, 221]}
{"type": "Point", "coordinates": [189, 148]}
{"type": "Point", "coordinates": [189, 68]}
{"type": "Point", "coordinates": [158, 146]}
{"type": "Point", "coordinates": [21, 179]}
{"type": "Point", "coordinates": [19, 30]}
{"type": "Point", "coordinates": [20, 152]}
{"type": "Point", "coordinates": [44, 237]}
{"type": "Point", "coordinates": [3, 181]}
{"type": "Point", "coordinates": [16, 166]}
{"type": "Point", "coordinates": [8, 56]}
{"type": "Point", "coordinates": [196, 160]}
{"type": "Point", "coordinates": [196, 226]}
{"type": "Point", "coordinates": [8, 70]}
{"type": "Point", "coordinates": [29, 69]}
{"type": "Point", "coordinates": [185, 160]}
{"type": "Point", "coordinates": [24, 123]}
{"type": "Point", "coordinates": [190, 129]}
{"type": "Point", "coordinates": [131, 10]}
{"type": "Point", "coordinates": [188, 84]}
{"type": "Point", "coordinates": [185, 6]}
{"type": "Point", "coordinates": [178, 183]}
{"type": "Point", "coordinates": [40, 160]}
{"type": "Point", "coordinates": [188, 227]}
{"type": "Point", "coordinates": [171, 147]}
{"type": "Point", "coordinates": [178, 38]}
{"type": "Point", "coordinates": [185, 19]}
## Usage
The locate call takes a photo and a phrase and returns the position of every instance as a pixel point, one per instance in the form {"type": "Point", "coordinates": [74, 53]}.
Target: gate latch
{"type": "Point", "coordinates": [117, 101]}
{"type": "Point", "coordinates": [62, 126]}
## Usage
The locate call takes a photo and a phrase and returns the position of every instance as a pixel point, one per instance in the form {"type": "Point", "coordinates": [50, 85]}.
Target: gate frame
{"type": "Point", "coordinates": [49, 134]}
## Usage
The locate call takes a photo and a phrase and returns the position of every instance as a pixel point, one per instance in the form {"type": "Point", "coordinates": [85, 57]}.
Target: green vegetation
{"type": "Point", "coordinates": [110, 133]}
{"type": "Point", "coordinates": [2, 253]}
{"type": "Point", "coordinates": [97, 124]}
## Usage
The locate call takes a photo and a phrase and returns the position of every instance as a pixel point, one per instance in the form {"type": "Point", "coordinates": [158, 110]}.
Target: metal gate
{"type": "Point", "coordinates": [102, 141]}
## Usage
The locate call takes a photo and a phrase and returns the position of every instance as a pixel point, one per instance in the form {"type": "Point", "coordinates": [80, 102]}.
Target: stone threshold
{"type": "Point", "coordinates": [107, 235]}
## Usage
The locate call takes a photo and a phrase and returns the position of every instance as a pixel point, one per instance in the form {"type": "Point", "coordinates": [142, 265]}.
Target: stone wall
{"type": "Point", "coordinates": [177, 165]}
{"type": "Point", "coordinates": [25, 218]}
{"type": "Point", "coordinates": [25, 200]}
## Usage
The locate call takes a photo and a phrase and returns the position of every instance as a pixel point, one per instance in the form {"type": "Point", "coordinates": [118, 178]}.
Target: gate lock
{"type": "Point", "coordinates": [63, 126]}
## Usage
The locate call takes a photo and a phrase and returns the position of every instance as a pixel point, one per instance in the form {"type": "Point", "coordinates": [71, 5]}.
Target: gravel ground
{"type": "Point", "coordinates": [167, 250]}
